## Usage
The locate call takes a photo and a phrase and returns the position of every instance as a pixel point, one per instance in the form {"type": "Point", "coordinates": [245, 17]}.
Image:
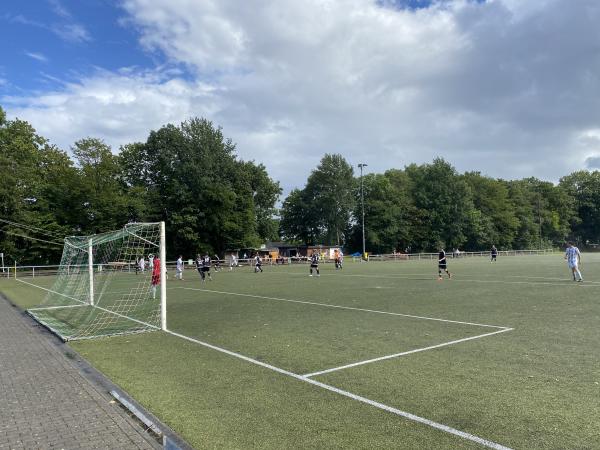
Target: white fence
{"type": "Point", "coordinates": [49, 270]}
{"type": "Point", "coordinates": [419, 256]}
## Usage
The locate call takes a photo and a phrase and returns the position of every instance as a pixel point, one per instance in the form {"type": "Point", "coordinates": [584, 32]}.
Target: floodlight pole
{"type": "Point", "coordinates": [540, 218]}
{"type": "Point", "coordinates": [362, 201]}
{"type": "Point", "coordinates": [163, 278]}
{"type": "Point", "coordinates": [91, 269]}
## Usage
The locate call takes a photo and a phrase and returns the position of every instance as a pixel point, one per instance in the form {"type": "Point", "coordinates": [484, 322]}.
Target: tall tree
{"type": "Point", "coordinates": [584, 189]}
{"type": "Point", "coordinates": [496, 222]}
{"type": "Point", "coordinates": [387, 213]}
{"type": "Point", "coordinates": [191, 177]}
{"type": "Point", "coordinates": [330, 192]}
{"type": "Point", "coordinates": [103, 191]}
{"type": "Point", "coordinates": [444, 202]}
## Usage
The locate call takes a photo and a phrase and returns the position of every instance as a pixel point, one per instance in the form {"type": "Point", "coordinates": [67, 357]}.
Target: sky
{"type": "Point", "coordinates": [509, 88]}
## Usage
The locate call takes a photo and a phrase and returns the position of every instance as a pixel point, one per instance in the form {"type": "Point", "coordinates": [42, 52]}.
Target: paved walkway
{"type": "Point", "coordinates": [46, 403]}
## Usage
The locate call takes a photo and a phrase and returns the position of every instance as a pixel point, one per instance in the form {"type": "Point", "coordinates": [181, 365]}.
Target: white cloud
{"type": "Point", "coordinates": [505, 87]}
{"type": "Point", "coordinates": [59, 9]}
{"type": "Point", "coordinates": [37, 56]}
{"type": "Point", "coordinates": [71, 32]}
{"type": "Point", "coordinates": [68, 29]}
{"type": "Point", "coordinates": [120, 108]}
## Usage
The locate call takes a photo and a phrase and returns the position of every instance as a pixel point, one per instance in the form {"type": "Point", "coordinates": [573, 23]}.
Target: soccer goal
{"type": "Point", "coordinates": [108, 284]}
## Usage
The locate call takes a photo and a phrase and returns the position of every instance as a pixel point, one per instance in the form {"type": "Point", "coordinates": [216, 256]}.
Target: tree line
{"type": "Point", "coordinates": [187, 175]}
{"type": "Point", "coordinates": [423, 207]}
{"type": "Point", "coordinates": [190, 176]}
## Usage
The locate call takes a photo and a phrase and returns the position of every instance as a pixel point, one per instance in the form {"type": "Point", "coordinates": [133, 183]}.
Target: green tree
{"type": "Point", "coordinates": [103, 192]}
{"type": "Point", "coordinates": [330, 191]}
{"type": "Point", "coordinates": [583, 188]}
{"type": "Point", "coordinates": [496, 223]}
{"type": "Point", "coordinates": [191, 178]}
{"type": "Point", "coordinates": [387, 213]}
{"type": "Point", "coordinates": [35, 188]}
{"type": "Point", "coordinates": [444, 205]}
{"type": "Point", "coordinates": [297, 222]}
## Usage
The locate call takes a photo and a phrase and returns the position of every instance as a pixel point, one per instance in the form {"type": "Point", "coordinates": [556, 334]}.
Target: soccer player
{"type": "Point", "coordinates": [179, 268]}
{"type": "Point", "coordinates": [442, 265]}
{"type": "Point", "coordinates": [206, 267]}
{"type": "Point", "coordinates": [336, 258]}
{"type": "Point", "coordinates": [573, 257]}
{"type": "Point", "coordinates": [150, 261]}
{"type": "Point", "coordinates": [201, 267]}
{"type": "Point", "coordinates": [155, 275]}
{"type": "Point", "coordinates": [142, 264]}
{"type": "Point", "coordinates": [257, 263]}
{"type": "Point", "coordinates": [233, 261]}
{"type": "Point", "coordinates": [314, 264]}
{"type": "Point", "coordinates": [494, 253]}
{"type": "Point", "coordinates": [217, 262]}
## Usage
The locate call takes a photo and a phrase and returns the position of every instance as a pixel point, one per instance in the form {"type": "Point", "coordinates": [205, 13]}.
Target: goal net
{"type": "Point", "coordinates": [107, 284]}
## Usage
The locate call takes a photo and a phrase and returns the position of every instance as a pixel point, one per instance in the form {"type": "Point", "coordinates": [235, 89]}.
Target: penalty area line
{"type": "Point", "coordinates": [327, 305]}
{"type": "Point", "coordinates": [409, 352]}
{"type": "Point", "coordinates": [390, 409]}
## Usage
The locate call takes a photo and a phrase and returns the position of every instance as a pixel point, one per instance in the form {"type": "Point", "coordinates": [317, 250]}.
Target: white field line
{"type": "Point", "coordinates": [406, 415]}
{"type": "Point", "coordinates": [44, 308]}
{"type": "Point", "coordinates": [96, 306]}
{"type": "Point", "coordinates": [326, 305]}
{"type": "Point", "coordinates": [453, 280]}
{"type": "Point", "coordinates": [50, 290]}
{"type": "Point", "coordinates": [566, 280]}
{"type": "Point", "coordinates": [396, 355]}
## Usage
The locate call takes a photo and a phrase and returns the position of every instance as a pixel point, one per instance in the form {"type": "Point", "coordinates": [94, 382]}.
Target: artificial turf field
{"type": "Point", "coordinates": [514, 360]}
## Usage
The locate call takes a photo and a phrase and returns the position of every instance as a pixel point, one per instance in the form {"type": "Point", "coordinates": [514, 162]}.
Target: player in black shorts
{"type": "Point", "coordinates": [257, 264]}
{"type": "Point", "coordinates": [442, 265]}
{"type": "Point", "coordinates": [203, 267]}
{"type": "Point", "coordinates": [494, 253]}
{"type": "Point", "coordinates": [217, 263]}
{"type": "Point", "coordinates": [314, 264]}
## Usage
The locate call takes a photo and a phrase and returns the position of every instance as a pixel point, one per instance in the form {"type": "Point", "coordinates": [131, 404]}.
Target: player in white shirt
{"type": "Point", "coordinates": [257, 264]}
{"type": "Point", "coordinates": [573, 257]}
{"type": "Point", "coordinates": [179, 268]}
{"type": "Point", "coordinates": [233, 262]}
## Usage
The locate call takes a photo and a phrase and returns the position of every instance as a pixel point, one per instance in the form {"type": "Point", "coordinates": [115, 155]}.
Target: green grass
{"type": "Point", "coordinates": [533, 387]}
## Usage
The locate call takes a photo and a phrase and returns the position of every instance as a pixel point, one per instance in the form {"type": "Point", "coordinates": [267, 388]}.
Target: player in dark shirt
{"type": "Point", "coordinates": [314, 264]}
{"type": "Point", "coordinates": [442, 265]}
{"type": "Point", "coordinates": [217, 262]}
{"type": "Point", "coordinates": [203, 267]}
{"type": "Point", "coordinates": [494, 253]}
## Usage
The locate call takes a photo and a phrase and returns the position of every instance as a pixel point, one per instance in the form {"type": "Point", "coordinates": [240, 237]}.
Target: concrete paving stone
{"type": "Point", "coordinates": [47, 403]}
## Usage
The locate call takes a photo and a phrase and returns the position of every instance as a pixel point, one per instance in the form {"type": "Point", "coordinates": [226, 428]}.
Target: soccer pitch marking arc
{"type": "Point", "coordinates": [390, 409]}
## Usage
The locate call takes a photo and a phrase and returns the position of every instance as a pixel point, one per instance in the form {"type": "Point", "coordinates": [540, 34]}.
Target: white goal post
{"type": "Point", "coordinates": [109, 284]}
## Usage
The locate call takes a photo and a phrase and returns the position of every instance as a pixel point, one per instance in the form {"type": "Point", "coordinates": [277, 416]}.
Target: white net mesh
{"type": "Point", "coordinates": [125, 297]}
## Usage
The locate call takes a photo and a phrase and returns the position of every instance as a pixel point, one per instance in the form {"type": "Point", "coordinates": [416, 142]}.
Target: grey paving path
{"type": "Point", "coordinates": [46, 403]}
